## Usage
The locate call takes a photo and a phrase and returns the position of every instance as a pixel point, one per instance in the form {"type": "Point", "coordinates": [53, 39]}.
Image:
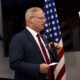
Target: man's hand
{"type": "Point", "coordinates": [44, 68]}
{"type": "Point", "coordinates": [58, 46]}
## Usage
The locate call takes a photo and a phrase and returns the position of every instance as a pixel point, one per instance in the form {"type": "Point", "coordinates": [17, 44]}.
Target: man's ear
{"type": "Point", "coordinates": [31, 19]}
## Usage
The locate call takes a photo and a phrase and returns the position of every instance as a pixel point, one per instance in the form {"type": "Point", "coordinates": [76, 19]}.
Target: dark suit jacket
{"type": "Point", "coordinates": [25, 57]}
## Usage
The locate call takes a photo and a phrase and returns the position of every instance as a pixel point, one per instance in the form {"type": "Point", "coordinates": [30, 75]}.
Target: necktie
{"type": "Point", "coordinates": [45, 55]}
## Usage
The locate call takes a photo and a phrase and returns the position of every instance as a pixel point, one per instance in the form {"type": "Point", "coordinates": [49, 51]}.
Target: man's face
{"type": "Point", "coordinates": [39, 21]}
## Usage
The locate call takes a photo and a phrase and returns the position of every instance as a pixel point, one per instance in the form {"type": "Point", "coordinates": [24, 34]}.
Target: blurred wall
{"type": "Point", "coordinates": [73, 65]}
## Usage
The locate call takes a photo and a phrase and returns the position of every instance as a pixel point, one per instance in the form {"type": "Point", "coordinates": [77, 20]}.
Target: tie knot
{"type": "Point", "coordinates": [38, 35]}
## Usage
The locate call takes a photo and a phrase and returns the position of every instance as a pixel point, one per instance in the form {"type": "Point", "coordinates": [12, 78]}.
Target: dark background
{"type": "Point", "coordinates": [13, 12]}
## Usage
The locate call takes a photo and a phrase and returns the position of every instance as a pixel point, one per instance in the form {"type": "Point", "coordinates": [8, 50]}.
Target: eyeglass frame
{"type": "Point", "coordinates": [41, 18]}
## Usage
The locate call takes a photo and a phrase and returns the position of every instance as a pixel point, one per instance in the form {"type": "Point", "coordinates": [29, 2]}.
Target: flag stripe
{"type": "Point", "coordinates": [59, 66]}
{"type": "Point", "coordinates": [61, 53]}
{"type": "Point", "coordinates": [64, 77]}
{"type": "Point", "coordinates": [61, 73]}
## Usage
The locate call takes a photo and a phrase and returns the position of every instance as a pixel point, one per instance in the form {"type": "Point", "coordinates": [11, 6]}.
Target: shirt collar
{"type": "Point", "coordinates": [34, 33]}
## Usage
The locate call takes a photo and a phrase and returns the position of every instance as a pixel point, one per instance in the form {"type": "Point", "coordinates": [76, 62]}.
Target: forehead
{"type": "Point", "coordinates": [39, 12]}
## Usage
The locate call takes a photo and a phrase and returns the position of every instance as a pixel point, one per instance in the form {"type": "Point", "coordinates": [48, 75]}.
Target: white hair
{"type": "Point", "coordinates": [30, 12]}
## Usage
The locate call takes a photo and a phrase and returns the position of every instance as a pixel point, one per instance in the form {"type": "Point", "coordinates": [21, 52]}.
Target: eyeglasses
{"type": "Point", "coordinates": [41, 18]}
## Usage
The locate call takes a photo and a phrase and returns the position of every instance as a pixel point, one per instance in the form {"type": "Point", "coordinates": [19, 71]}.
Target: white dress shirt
{"type": "Point", "coordinates": [34, 34]}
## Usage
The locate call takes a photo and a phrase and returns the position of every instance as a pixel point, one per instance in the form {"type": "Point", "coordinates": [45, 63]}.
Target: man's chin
{"type": "Point", "coordinates": [42, 28]}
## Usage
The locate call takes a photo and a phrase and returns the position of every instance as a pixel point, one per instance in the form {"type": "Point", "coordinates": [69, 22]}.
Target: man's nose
{"type": "Point", "coordinates": [44, 20]}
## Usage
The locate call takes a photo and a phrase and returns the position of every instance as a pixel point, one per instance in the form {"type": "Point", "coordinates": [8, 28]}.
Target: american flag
{"type": "Point", "coordinates": [52, 30]}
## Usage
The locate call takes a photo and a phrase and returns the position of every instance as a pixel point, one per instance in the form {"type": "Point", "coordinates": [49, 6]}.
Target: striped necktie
{"type": "Point", "coordinates": [45, 55]}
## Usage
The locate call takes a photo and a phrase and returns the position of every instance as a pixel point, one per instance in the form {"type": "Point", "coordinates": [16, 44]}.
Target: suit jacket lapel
{"type": "Point", "coordinates": [47, 46]}
{"type": "Point", "coordinates": [34, 43]}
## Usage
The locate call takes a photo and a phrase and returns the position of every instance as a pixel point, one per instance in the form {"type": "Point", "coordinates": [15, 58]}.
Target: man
{"type": "Point", "coordinates": [27, 58]}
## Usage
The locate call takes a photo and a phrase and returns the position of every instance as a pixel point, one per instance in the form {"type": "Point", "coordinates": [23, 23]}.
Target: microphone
{"type": "Point", "coordinates": [53, 49]}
